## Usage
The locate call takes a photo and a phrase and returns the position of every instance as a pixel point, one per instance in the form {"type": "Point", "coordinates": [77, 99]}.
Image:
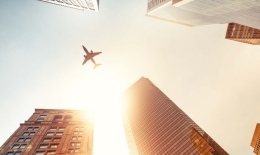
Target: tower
{"type": "Point", "coordinates": [255, 143]}
{"type": "Point", "coordinates": [154, 125]}
{"type": "Point", "coordinates": [52, 131]}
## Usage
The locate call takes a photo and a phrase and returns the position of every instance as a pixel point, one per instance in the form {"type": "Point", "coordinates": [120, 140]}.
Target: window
{"type": "Point", "coordinates": [20, 140]}
{"type": "Point", "coordinates": [70, 151]}
{"type": "Point", "coordinates": [61, 128]}
{"type": "Point", "coordinates": [17, 153]}
{"type": "Point", "coordinates": [68, 118]}
{"type": "Point", "coordinates": [81, 132]}
{"type": "Point", "coordinates": [50, 152]}
{"type": "Point", "coordinates": [25, 133]}
{"type": "Point", "coordinates": [46, 140]}
{"type": "Point", "coordinates": [78, 144]}
{"type": "Point", "coordinates": [77, 128]}
{"type": "Point", "coordinates": [40, 119]}
{"type": "Point", "coordinates": [15, 147]}
{"type": "Point", "coordinates": [81, 128]}
{"type": "Point", "coordinates": [79, 137]}
{"type": "Point", "coordinates": [43, 146]}
{"type": "Point", "coordinates": [54, 145]}
{"type": "Point", "coordinates": [59, 134]}
{"type": "Point", "coordinates": [32, 134]}
{"type": "Point", "coordinates": [53, 128]}
{"type": "Point", "coordinates": [75, 132]}
{"type": "Point", "coordinates": [57, 118]}
{"type": "Point", "coordinates": [39, 153]}
{"type": "Point", "coordinates": [33, 128]}
{"type": "Point", "coordinates": [30, 128]}
{"type": "Point", "coordinates": [72, 144]}
{"type": "Point", "coordinates": [56, 139]}
{"type": "Point", "coordinates": [36, 128]}
{"type": "Point", "coordinates": [50, 134]}
{"type": "Point", "coordinates": [77, 150]}
{"type": "Point", "coordinates": [74, 138]}
{"type": "Point", "coordinates": [43, 116]}
{"type": "Point", "coordinates": [22, 146]}
{"type": "Point", "coordinates": [27, 139]}
{"type": "Point", "coordinates": [9, 153]}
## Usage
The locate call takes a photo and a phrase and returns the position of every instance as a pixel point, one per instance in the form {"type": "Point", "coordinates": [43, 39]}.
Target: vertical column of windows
{"type": "Point", "coordinates": [76, 140]}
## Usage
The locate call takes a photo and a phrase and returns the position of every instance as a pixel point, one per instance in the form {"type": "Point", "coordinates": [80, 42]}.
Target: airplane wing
{"type": "Point", "coordinates": [93, 61]}
{"type": "Point", "coordinates": [97, 52]}
{"type": "Point", "coordinates": [86, 59]}
{"type": "Point", "coordinates": [85, 49]}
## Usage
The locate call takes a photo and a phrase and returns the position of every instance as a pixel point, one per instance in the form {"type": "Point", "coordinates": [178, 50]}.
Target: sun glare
{"type": "Point", "coordinates": [100, 94]}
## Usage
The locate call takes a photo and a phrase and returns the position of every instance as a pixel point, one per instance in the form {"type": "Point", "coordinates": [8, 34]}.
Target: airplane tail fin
{"type": "Point", "coordinates": [96, 65]}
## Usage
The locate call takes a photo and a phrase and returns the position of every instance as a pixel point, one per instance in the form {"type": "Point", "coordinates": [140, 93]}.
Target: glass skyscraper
{"type": "Point", "coordinates": [154, 125]}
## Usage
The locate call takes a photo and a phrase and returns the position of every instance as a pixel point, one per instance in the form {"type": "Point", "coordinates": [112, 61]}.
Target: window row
{"type": "Point", "coordinates": [13, 153]}
{"type": "Point", "coordinates": [75, 143]}
{"type": "Point", "coordinates": [60, 112]}
{"type": "Point", "coordinates": [28, 133]}
{"type": "Point", "coordinates": [51, 139]}
{"type": "Point", "coordinates": [45, 146]}
{"type": "Point", "coordinates": [74, 150]}
{"type": "Point", "coordinates": [60, 118]}
{"type": "Point", "coordinates": [33, 128]}
{"type": "Point", "coordinates": [56, 134]}
{"type": "Point", "coordinates": [78, 132]}
{"type": "Point", "coordinates": [24, 140]}
{"type": "Point", "coordinates": [76, 138]}
{"type": "Point", "coordinates": [51, 152]}
{"type": "Point", "coordinates": [56, 128]}
{"type": "Point", "coordinates": [79, 128]}
{"type": "Point", "coordinates": [17, 146]}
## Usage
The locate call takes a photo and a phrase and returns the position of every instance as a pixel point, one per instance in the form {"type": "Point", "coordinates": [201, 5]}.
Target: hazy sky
{"type": "Point", "coordinates": [213, 80]}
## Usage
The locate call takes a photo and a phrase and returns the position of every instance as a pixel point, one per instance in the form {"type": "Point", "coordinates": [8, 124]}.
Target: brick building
{"type": "Point", "coordinates": [154, 125]}
{"type": "Point", "coordinates": [52, 131]}
{"type": "Point", "coordinates": [255, 143]}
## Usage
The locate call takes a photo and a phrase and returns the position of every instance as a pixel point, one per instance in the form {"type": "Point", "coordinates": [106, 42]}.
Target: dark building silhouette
{"type": "Point", "coordinates": [154, 125]}
{"type": "Point", "coordinates": [255, 143]}
{"type": "Point", "coordinates": [52, 131]}
{"type": "Point", "coordinates": [243, 34]}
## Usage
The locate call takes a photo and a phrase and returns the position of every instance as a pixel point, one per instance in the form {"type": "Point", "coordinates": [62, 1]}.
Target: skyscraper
{"type": "Point", "coordinates": [243, 34]}
{"type": "Point", "coordinates": [76, 4]}
{"type": "Point", "coordinates": [154, 125]}
{"type": "Point", "coordinates": [204, 12]}
{"type": "Point", "coordinates": [255, 143]}
{"type": "Point", "coordinates": [52, 131]}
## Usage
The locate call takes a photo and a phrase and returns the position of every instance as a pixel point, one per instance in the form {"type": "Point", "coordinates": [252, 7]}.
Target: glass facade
{"type": "Point", "coordinates": [203, 12]}
{"type": "Point", "coordinates": [76, 4]}
{"type": "Point", "coordinates": [155, 125]}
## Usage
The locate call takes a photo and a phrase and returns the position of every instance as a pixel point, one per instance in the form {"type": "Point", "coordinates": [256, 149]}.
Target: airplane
{"type": "Point", "coordinates": [90, 56]}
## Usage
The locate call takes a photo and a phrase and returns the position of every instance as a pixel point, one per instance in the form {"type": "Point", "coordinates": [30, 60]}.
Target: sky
{"type": "Point", "coordinates": [213, 80]}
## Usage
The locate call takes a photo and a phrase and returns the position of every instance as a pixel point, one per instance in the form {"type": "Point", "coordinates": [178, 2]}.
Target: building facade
{"type": "Point", "coordinates": [52, 131]}
{"type": "Point", "coordinates": [92, 5]}
{"type": "Point", "coordinates": [154, 125]}
{"type": "Point", "coordinates": [205, 12]}
{"type": "Point", "coordinates": [243, 34]}
{"type": "Point", "coordinates": [255, 143]}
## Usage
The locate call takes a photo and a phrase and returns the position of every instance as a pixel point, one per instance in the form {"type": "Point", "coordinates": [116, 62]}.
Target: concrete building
{"type": "Point", "coordinates": [255, 143]}
{"type": "Point", "coordinates": [52, 131]}
{"type": "Point", "coordinates": [243, 34]}
{"type": "Point", "coordinates": [154, 125]}
{"type": "Point", "coordinates": [92, 5]}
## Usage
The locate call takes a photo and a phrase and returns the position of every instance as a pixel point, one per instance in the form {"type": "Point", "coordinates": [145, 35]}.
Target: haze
{"type": "Point", "coordinates": [213, 80]}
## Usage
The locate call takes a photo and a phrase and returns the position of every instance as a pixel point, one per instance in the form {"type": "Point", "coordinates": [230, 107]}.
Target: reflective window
{"type": "Point", "coordinates": [43, 116]}
{"type": "Point", "coordinates": [30, 128]}
{"type": "Point", "coordinates": [17, 153]}
{"type": "Point", "coordinates": [72, 144]}
{"type": "Point", "coordinates": [56, 139]}
{"type": "Point", "coordinates": [57, 118]}
{"type": "Point", "coordinates": [20, 140]}
{"type": "Point", "coordinates": [39, 153]}
{"type": "Point", "coordinates": [61, 128]}
{"type": "Point", "coordinates": [43, 146]}
{"type": "Point", "coordinates": [46, 140]}
{"type": "Point", "coordinates": [78, 144]}
{"type": "Point", "coordinates": [77, 150]}
{"type": "Point", "coordinates": [50, 152]}
{"type": "Point", "coordinates": [25, 133]}
{"type": "Point", "coordinates": [79, 137]}
{"type": "Point", "coordinates": [36, 128]}
{"type": "Point", "coordinates": [54, 145]}
{"type": "Point", "coordinates": [15, 147]}
{"type": "Point", "coordinates": [50, 134]}
{"type": "Point", "coordinates": [32, 134]}
{"type": "Point", "coordinates": [22, 146]}
{"type": "Point", "coordinates": [27, 139]}
{"type": "Point", "coordinates": [40, 119]}
{"type": "Point", "coordinates": [9, 153]}
{"type": "Point", "coordinates": [53, 128]}
{"type": "Point", "coordinates": [59, 134]}
{"type": "Point", "coordinates": [75, 132]}
{"type": "Point", "coordinates": [68, 118]}
{"type": "Point", "coordinates": [74, 138]}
